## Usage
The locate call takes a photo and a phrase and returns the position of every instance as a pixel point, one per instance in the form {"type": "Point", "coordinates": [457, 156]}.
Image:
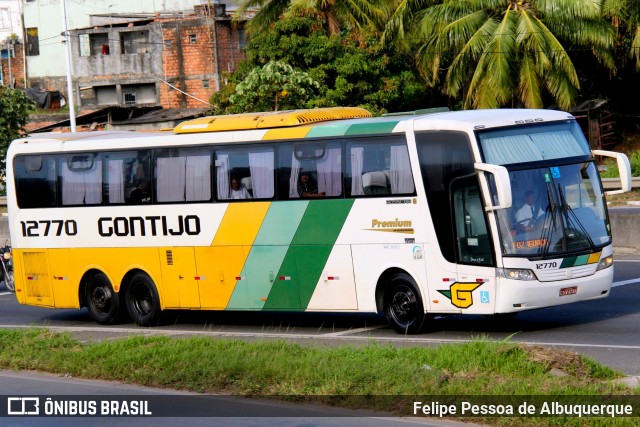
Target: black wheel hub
{"type": "Point", "coordinates": [403, 306]}
{"type": "Point", "coordinates": [142, 299]}
{"type": "Point", "coordinates": [101, 299]}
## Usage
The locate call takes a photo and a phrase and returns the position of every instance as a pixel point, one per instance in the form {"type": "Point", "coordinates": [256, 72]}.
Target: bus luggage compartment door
{"type": "Point", "coordinates": [36, 277]}
{"type": "Point", "coordinates": [179, 277]}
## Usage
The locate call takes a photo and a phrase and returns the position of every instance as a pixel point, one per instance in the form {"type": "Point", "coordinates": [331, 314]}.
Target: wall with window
{"type": "Point", "coordinates": [121, 51]}
{"type": "Point", "coordinates": [350, 167]}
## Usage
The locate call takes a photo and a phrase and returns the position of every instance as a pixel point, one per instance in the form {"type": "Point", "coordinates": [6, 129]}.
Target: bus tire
{"type": "Point", "coordinates": [403, 306]}
{"type": "Point", "coordinates": [105, 305]}
{"type": "Point", "coordinates": [143, 301]}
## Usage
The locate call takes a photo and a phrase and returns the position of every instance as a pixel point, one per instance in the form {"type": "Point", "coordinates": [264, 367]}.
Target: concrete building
{"type": "Point", "coordinates": [128, 52]}
{"type": "Point", "coordinates": [11, 72]}
{"type": "Point", "coordinates": [172, 60]}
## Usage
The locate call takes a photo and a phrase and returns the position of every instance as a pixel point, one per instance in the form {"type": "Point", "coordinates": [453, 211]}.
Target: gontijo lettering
{"type": "Point", "coordinates": [149, 226]}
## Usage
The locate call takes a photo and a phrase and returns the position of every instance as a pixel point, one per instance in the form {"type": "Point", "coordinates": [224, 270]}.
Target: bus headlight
{"type": "Point", "coordinates": [605, 262]}
{"type": "Point", "coordinates": [516, 273]}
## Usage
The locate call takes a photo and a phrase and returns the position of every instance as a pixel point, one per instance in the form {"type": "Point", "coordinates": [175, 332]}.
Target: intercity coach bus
{"type": "Point", "coordinates": [324, 210]}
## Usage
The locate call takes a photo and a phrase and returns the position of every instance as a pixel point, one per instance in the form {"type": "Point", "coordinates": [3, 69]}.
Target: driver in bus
{"type": "Point", "coordinates": [527, 214]}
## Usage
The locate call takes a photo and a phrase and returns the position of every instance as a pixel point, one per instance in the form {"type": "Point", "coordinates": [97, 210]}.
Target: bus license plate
{"type": "Point", "coordinates": [569, 291]}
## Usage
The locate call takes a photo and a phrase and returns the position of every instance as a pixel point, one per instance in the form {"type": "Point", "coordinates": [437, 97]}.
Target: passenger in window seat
{"type": "Point", "coordinates": [238, 191]}
{"type": "Point", "coordinates": [141, 195]}
{"type": "Point", "coordinates": [307, 186]}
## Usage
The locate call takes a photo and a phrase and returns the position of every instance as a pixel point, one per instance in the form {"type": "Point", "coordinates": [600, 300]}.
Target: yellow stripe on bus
{"type": "Point", "coordinates": [287, 133]}
{"type": "Point", "coordinates": [221, 263]}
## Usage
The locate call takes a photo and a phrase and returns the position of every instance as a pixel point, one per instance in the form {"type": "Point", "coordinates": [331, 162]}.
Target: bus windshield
{"type": "Point", "coordinates": [555, 210]}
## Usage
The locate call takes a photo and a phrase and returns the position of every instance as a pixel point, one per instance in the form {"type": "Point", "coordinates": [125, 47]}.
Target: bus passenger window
{"type": "Point", "coordinates": [81, 179]}
{"type": "Point", "coordinates": [245, 173]}
{"type": "Point", "coordinates": [125, 171]}
{"type": "Point", "coordinates": [379, 166]}
{"type": "Point", "coordinates": [35, 178]}
{"type": "Point", "coordinates": [311, 170]}
{"type": "Point", "coordinates": [183, 175]}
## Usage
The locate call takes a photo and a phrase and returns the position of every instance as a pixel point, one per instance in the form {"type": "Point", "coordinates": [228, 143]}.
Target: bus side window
{"type": "Point", "coordinates": [81, 179]}
{"type": "Point", "coordinates": [250, 169]}
{"type": "Point", "coordinates": [183, 175]}
{"type": "Point", "coordinates": [35, 179]}
{"type": "Point", "coordinates": [124, 172]}
{"type": "Point", "coordinates": [379, 166]}
{"type": "Point", "coordinates": [310, 169]}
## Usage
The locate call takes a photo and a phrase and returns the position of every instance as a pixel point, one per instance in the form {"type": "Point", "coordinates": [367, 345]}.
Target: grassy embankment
{"type": "Point", "coordinates": [277, 368]}
{"type": "Point", "coordinates": [611, 171]}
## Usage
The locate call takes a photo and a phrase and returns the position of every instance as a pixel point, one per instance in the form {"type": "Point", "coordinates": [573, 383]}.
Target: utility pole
{"type": "Point", "coordinates": [9, 52]}
{"type": "Point", "coordinates": [67, 54]}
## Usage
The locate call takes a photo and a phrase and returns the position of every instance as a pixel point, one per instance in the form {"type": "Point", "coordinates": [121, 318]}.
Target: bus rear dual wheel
{"type": "Point", "coordinates": [140, 300]}
{"type": "Point", "coordinates": [403, 306]}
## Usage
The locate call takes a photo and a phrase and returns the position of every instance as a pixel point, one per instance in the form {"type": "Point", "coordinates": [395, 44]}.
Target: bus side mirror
{"type": "Point", "coordinates": [502, 183]}
{"type": "Point", "coordinates": [623, 167]}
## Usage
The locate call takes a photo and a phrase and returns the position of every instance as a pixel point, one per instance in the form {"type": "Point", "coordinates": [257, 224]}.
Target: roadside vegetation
{"type": "Point", "coordinates": [387, 54]}
{"type": "Point", "coordinates": [374, 376]}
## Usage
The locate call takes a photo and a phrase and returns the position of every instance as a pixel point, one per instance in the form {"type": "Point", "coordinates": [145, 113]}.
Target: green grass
{"type": "Point", "coordinates": [281, 368]}
{"type": "Point", "coordinates": [612, 167]}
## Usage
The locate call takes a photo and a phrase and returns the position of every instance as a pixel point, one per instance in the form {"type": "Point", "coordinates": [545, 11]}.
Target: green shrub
{"type": "Point", "coordinates": [612, 167]}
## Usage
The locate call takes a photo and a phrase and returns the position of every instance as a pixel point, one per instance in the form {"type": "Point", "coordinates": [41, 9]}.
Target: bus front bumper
{"type": "Point", "coordinates": [519, 295]}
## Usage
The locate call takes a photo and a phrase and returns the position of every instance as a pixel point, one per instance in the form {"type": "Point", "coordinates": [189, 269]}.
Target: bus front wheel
{"type": "Point", "coordinates": [104, 304]}
{"type": "Point", "coordinates": [403, 306]}
{"type": "Point", "coordinates": [143, 302]}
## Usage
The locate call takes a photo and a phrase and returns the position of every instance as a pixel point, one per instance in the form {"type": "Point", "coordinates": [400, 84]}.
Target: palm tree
{"type": "Point", "coordinates": [625, 17]}
{"type": "Point", "coordinates": [504, 52]}
{"type": "Point", "coordinates": [334, 13]}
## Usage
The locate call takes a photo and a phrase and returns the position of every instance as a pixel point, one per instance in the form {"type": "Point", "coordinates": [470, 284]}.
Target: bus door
{"type": "Point", "coordinates": [179, 277]}
{"type": "Point", "coordinates": [474, 290]}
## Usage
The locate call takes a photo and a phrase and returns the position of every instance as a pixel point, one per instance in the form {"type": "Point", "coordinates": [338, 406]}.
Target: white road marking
{"type": "Point", "coordinates": [615, 261]}
{"type": "Point", "coordinates": [353, 331]}
{"type": "Point", "coordinates": [625, 282]}
{"type": "Point", "coordinates": [5, 293]}
{"type": "Point", "coordinates": [221, 334]}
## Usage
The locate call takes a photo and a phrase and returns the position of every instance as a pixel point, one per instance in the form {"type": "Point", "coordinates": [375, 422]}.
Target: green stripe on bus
{"type": "Point", "coordinates": [267, 255]}
{"type": "Point", "coordinates": [582, 260]}
{"type": "Point", "coordinates": [311, 247]}
{"type": "Point", "coordinates": [568, 262]}
{"type": "Point", "coordinates": [371, 128]}
{"type": "Point", "coordinates": [337, 129]}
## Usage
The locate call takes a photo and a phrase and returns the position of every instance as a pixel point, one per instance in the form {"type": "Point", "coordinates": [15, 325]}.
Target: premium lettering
{"type": "Point", "coordinates": [390, 224]}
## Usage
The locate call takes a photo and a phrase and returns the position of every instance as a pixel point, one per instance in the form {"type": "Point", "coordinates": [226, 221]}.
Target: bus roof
{"type": "Point", "coordinates": [267, 120]}
{"type": "Point", "coordinates": [481, 119]}
{"type": "Point", "coordinates": [304, 124]}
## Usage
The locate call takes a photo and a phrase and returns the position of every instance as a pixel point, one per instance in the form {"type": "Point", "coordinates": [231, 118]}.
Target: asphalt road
{"type": "Point", "coordinates": [253, 412]}
{"type": "Point", "coordinates": [606, 330]}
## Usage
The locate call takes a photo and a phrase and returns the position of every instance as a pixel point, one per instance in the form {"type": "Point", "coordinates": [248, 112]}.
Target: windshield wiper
{"type": "Point", "coordinates": [548, 229]}
{"type": "Point", "coordinates": [569, 214]}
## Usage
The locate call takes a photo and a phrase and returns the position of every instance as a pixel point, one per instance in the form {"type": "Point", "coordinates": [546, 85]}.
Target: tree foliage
{"type": "Point", "coordinates": [352, 70]}
{"type": "Point", "coordinates": [335, 15]}
{"type": "Point", "coordinates": [272, 87]}
{"type": "Point", "coordinates": [495, 53]}
{"type": "Point", "coordinates": [14, 108]}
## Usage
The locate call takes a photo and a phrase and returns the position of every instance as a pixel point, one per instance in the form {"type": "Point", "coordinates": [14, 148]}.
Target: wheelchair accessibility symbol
{"type": "Point", "coordinates": [484, 297]}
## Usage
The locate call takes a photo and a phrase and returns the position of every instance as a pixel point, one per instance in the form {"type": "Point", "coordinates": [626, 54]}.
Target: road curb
{"type": "Point", "coordinates": [630, 381]}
